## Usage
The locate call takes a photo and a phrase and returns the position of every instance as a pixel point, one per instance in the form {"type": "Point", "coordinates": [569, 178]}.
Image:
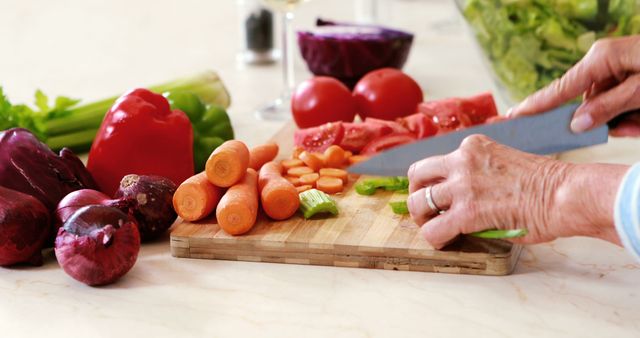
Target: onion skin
{"type": "Point", "coordinates": [24, 228]}
{"type": "Point", "coordinates": [98, 245]}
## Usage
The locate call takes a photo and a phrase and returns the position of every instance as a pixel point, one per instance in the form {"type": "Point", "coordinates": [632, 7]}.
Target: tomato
{"type": "Point", "coordinates": [479, 108]}
{"type": "Point", "coordinates": [420, 125]}
{"type": "Point", "coordinates": [447, 114]}
{"type": "Point", "coordinates": [320, 100]}
{"type": "Point", "coordinates": [318, 139]}
{"type": "Point", "coordinates": [357, 135]}
{"type": "Point", "coordinates": [386, 142]}
{"type": "Point", "coordinates": [392, 125]}
{"type": "Point", "coordinates": [387, 94]}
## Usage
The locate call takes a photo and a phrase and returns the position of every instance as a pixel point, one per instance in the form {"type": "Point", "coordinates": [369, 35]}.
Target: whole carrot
{"type": "Point", "coordinates": [238, 209]}
{"type": "Point", "coordinates": [278, 196]}
{"type": "Point", "coordinates": [262, 154]}
{"type": "Point", "coordinates": [227, 164]}
{"type": "Point", "coordinates": [196, 198]}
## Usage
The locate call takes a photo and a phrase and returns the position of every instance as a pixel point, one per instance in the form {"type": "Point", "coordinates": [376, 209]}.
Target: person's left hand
{"type": "Point", "coordinates": [486, 185]}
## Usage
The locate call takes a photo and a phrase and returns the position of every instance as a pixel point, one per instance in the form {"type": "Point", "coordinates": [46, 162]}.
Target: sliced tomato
{"type": "Point", "coordinates": [420, 125]}
{"type": "Point", "coordinates": [479, 108]}
{"type": "Point", "coordinates": [357, 135]}
{"type": "Point", "coordinates": [386, 142]}
{"type": "Point", "coordinates": [394, 126]}
{"type": "Point", "coordinates": [318, 139]}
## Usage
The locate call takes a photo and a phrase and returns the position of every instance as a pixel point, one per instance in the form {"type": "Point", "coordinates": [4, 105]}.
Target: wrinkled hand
{"type": "Point", "coordinates": [608, 77]}
{"type": "Point", "coordinates": [486, 185]}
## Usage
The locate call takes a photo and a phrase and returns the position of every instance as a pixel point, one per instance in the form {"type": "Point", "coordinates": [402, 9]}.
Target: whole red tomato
{"type": "Point", "coordinates": [320, 100]}
{"type": "Point", "coordinates": [387, 94]}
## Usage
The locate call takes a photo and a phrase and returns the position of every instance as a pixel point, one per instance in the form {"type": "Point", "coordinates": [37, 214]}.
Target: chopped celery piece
{"type": "Point", "coordinates": [500, 234]}
{"type": "Point", "coordinates": [316, 202]}
{"type": "Point", "coordinates": [399, 208]}
{"type": "Point", "coordinates": [369, 187]}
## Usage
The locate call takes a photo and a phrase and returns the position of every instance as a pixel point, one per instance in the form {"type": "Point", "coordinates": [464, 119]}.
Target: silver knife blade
{"type": "Point", "coordinates": [546, 133]}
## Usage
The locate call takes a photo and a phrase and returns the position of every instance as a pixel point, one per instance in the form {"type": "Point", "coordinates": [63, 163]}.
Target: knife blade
{"type": "Point", "coordinates": [542, 134]}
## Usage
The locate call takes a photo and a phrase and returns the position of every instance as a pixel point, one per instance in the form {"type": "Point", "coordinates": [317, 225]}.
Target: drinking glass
{"type": "Point", "coordinates": [280, 108]}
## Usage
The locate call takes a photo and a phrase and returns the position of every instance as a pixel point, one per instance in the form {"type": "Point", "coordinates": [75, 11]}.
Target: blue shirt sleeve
{"type": "Point", "coordinates": [627, 211]}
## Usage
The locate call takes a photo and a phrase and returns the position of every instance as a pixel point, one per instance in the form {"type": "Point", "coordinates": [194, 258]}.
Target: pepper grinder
{"type": "Point", "coordinates": [256, 33]}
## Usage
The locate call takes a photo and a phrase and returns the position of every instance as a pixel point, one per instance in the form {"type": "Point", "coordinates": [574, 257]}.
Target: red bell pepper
{"type": "Point", "coordinates": [141, 135]}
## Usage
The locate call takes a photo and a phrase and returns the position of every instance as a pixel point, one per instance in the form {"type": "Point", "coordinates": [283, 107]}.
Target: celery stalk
{"type": "Point", "coordinates": [399, 208]}
{"type": "Point", "coordinates": [314, 202]}
{"type": "Point", "coordinates": [80, 121]}
{"type": "Point", "coordinates": [500, 234]}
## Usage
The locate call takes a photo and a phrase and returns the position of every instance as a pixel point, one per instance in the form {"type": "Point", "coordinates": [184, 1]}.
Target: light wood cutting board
{"type": "Point", "coordinates": [366, 234]}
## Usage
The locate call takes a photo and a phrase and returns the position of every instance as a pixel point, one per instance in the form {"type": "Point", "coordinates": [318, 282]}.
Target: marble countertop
{"type": "Point", "coordinates": [575, 287]}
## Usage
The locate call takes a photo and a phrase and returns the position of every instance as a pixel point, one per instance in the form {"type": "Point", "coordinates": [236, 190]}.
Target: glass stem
{"type": "Point", "coordinates": [288, 75]}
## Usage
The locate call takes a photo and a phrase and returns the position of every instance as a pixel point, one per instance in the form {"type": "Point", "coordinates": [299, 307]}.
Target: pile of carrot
{"type": "Point", "coordinates": [322, 171]}
{"type": "Point", "coordinates": [235, 183]}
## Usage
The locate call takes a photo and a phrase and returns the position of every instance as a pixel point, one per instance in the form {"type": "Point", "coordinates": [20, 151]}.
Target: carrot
{"type": "Point", "coordinates": [278, 196]}
{"type": "Point", "coordinates": [237, 211]}
{"type": "Point", "coordinates": [262, 154]}
{"type": "Point", "coordinates": [299, 171]}
{"type": "Point", "coordinates": [303, 188]}
{"type": "Point", "coordinates": [312, 161]}
{"type": "Point", "coordinates": [227, 164]}
{"type": "Point", "coordinates": [337, 173]}
{"type": "Point", "coordinates": [309, 179]}
{"type": "Point", "coordinates": [196, 198]}
{"type": "Point", "coordinates": [294, 180]}
{"type": "Point", "coordinates": [288, 164]}
{"type": "Point", "coordinates": [334, 156]}
{"type": "Point", "coordinates": [357, 158]}
{"type": "Point", "coordinates": [347, 156]}
{"type": "Point", "coordinates": [296, 153]}
{"type": "Point", "coordinates": [330, 185]}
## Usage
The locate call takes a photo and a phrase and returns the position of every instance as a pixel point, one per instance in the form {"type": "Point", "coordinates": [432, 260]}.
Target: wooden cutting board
{"type": "Point", "coordinates": [366, 234]}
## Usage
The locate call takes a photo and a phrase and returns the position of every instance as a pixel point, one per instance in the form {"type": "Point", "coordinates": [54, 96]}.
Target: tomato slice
{"type": "Point", "coordinates": [318, 139]}
{"type": "Point", "coordinates": [386, 142]}
{"type": "Point", "coordinates": [420, 125]}
{"type": "Point", "coordinates": [357, 135]}
{"type": "Point", "coordinates": [393, 126]}
{"type": "Point", "coordinates": [479, 108]}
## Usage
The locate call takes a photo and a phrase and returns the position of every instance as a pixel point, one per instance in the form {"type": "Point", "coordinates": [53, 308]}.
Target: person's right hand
{"type": "Point", "coordinates": [608, 77]}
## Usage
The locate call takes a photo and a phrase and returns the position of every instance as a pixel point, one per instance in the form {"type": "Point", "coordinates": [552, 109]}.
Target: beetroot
{"type": "Point", "coordinates": [150, 201]}
{"type": "Point", "coordinates": [146, 198]}
{"type": "Point", "coordinates": [24, 228]}
{"type": "Point", "coordinates": [98, 244]}
{"type": "Point", "coordinates": [29, 166]}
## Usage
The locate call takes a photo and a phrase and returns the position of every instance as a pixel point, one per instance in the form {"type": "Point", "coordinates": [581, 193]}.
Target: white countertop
{"type": "Point", "coordinates": [90, 49]}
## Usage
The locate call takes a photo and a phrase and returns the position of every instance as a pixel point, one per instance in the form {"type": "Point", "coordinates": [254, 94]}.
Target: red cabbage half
{"type": "Point", "coordinates": [349, 51]}
{"type": "Point", "coordinates": [30, 167]}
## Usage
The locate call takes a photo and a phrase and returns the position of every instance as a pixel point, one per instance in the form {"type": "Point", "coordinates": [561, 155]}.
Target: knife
{"type": "Point", "coordinates": [542, 134]}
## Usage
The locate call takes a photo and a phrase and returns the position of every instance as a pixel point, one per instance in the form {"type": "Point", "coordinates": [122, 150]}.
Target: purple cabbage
{"type": "Point", "coordinates": [349, 51]}
{"type": "Point", "coordinates": [29, 166]}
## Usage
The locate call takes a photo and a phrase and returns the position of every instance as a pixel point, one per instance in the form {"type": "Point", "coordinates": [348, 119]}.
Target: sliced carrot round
{"type": "Point", "coordinates": [288, 164]}
{"type": "Point", "coordinates": [312, 160]}
{"type": "Point", "coordinates": [303, 188]}
{"type": "Point", "coordinates": [309, 179]}
{"type": "Point", "coordinates": [299, 171]}
{"type": "Point", "coordinates": [337, 173]}
{"type": "Point", "coordinates": [334, 156]}
{"type": "Point", "coordinates": [357, 158]}
{"type": "Point", "coordinates": [296, 153]}
{"type": "Point", "coordinates": [294, 180]}
{"type": "Point", "coordinates": [330, 185]}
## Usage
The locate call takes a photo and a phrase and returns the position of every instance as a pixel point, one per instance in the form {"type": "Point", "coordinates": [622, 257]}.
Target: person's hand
{"type": "Point", "coordinates": [485, 185]}
{"type": "Point", "coordinates": [608, 77]}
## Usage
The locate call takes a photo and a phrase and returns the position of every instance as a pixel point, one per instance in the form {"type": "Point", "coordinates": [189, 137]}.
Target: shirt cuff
{"type": "Point", "coordinates": [627, 211]}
